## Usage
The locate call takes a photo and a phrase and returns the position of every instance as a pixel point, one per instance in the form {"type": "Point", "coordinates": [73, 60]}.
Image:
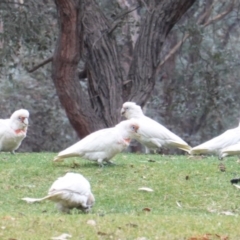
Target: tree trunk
{"type": "Point", "coordinates": [160, 18]}
{"type": "Point", "coordinates": [85, 35]}
{"type": "Point", "coordinates": [64, 70]}
{"type": "Point", "coordinates": [104, 74]}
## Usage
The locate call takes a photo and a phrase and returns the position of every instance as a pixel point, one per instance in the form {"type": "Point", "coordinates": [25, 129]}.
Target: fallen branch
{"type": "Point", "coordinates": [40, 65]}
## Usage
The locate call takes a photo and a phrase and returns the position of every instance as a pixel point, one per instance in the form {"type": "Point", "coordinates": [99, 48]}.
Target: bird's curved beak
{"type": "Point", "coordinates": [24, 120]}
{"type": "Point", "coordinates": [122, 111]}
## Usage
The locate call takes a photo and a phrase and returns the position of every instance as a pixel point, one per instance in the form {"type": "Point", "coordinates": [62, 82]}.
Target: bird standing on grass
{"type": "Point", "coordinates": [13, 130]}
{"type": "Point", "coordinates": [152, 134]}
{"type": "Point", "coordinates": [102, 145]}
{"type": "Point", "coordinates": [217, 144]}
{"type": "Point", "coordinates": [68, 192]}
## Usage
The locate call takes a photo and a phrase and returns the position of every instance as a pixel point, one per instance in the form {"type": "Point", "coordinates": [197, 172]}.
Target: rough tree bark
{"type": "Point", "coordinates": [64, 69]}
{"type": "Point", "coordinates": [160, 18]}
{"type": "Point", "coordinates": [85, 34]}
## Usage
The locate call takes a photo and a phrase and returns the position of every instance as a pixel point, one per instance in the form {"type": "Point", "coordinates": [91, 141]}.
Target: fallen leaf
{"type": "Point", "coordinates": [178, 203]}
{"type": "Point", "coordinates": [102, 233]}
{"type": "Point", "coordinates": [91, 222]}
{"type": "Point", "coordinates": [63, 236]}
{"type": "Point", "coordinates": [209, 236]}
{"type": "Point", "coordinates": [146, 209]}
{"type": "Point", "coordinates": [9, 218]}
{"type": "Point", "coordinates": [228, 213]}
{"type": "Point", "coordinates": [75, 165]}
{"type": "Point", "coordinates": [146, 189]}
{"type": "Point", "coordinates": [132, 225]}
{"type": "Point", "coordinates": [222, 167]}
{"type": "Point", "coordinates": [151, 160]}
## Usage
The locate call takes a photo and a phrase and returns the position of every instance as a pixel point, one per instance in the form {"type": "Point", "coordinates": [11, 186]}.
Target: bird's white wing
{"type": "Point", "coordinates": [72, 188]}
{"type": "Point", "coordinates": [73, 182]}
{"type": "Point", "coordinates": [70, 191]}
{"type": "Point", "coordinates": [230, 150]}
{"type": "Point", "coordinates": [95, 142]}
{"type": "Point", "coordinates": [155, 133]}
{"type": "Point", "coordinates": [4, 129]}
{"type": "Point", "coordinates": [4, 126]}
{"type": "Point", "coordinates": [230, 137]}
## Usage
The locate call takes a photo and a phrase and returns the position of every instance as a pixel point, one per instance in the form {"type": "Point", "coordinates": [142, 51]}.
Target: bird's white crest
{"type": "Point", "coordinates": [151, 133]}
{"type": "Point", "coordinates": [103, 144]}
{"type": "Point", "coordinates": [131, 110]}
{"type": "Point", "coordinates": [217, 144]}
{"type": "Point", "coordinates": [70, 191]}
{"type": "Point", "coordinates": [13, 130]}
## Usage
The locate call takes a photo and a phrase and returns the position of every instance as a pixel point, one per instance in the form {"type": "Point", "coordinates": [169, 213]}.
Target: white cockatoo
{"type": "Point", "coordinates": [215, 145]}
{"type": "Point", "coordinates": [103, 144]}
{"type": "Point", "coordinates": [72, 190]}
{"type": "Point", "coordinates": [231, 150]}
{"type": "Point", "coordinates": [152, 134]}
{"type": "Point", "coordinates": [13, 130]}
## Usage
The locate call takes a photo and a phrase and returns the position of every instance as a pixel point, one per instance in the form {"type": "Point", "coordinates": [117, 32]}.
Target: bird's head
{"type": "Point", "coordinates": [131, 110]}
{"type": "Point", "coordinates": [20, 119]}
{"type": "Point", "coordinates": [129, 128]}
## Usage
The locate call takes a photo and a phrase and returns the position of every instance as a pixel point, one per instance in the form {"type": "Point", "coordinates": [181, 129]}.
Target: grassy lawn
{"type": "Point", "coordinates": [191, 198]}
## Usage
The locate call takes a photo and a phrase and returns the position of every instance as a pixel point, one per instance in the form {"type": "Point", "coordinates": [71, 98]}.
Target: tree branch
{"type": "Point", "coordinates": [40, 64]}
{"type": "Point", "coordinates": [200, 22]}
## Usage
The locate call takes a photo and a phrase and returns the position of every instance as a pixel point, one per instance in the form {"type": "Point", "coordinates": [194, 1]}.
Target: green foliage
{"type": "Point", "coordinates": [191, 198]}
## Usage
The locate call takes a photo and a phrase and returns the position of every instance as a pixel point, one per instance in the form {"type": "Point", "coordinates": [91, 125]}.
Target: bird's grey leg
{"type": "Point", "coordinates": [110, 162]}
{"type": "Point", "coordinates": [13, 152]}
{"type": "Point", "coordinates": [100, 162]}
{"type": "Point", "coordinates": [147, 150]}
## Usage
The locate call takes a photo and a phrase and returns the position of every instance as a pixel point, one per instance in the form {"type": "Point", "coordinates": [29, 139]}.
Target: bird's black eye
{"type": "Point", "coordinates": [134, 128]}
{"type": "Point", "coordinates": [126, 108]}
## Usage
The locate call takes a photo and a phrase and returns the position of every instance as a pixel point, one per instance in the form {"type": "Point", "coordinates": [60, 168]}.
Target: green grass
{"type": "Point", "coordinates": [189, 198]}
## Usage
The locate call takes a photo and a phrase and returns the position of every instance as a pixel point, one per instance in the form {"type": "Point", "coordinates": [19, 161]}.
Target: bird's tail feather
{"type": "Point", "coordinates": [60, 157]}
{"type": "Point", "coordinates": [199, 151]}
{"type": "Point", "coordinates": [185, 147]}
{"type": "Point", "coordinates": [229, 152]}
{"type": "Point", "coordinates": [33, 200]}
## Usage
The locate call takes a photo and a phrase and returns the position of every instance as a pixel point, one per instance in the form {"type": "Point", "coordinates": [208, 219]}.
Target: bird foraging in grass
{"type": "Point", "coordinates": [13, 130]}
{"type": "Point", "coordinates": [68, 192]}
{"type": "Point", "coordinates": [152, 134]}
{"type": "Point", "coordinates": [217, 144]}
{"type": "Point", "coordinates": [102, 145]}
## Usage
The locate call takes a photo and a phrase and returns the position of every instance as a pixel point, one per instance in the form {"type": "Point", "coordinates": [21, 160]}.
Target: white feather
{"type": "Point", "coordinates": [215, 145]}
{"type": "Point", "coordinates": [151, 133]}
{"type": "Point", "coordinates": [68, 192]}
{"type": "Point", "coordinates": [231, 150]}
{"type": "Point", "coordinates": [13, 130]}
{"type": "Point", "coordinates": [102, 145]}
